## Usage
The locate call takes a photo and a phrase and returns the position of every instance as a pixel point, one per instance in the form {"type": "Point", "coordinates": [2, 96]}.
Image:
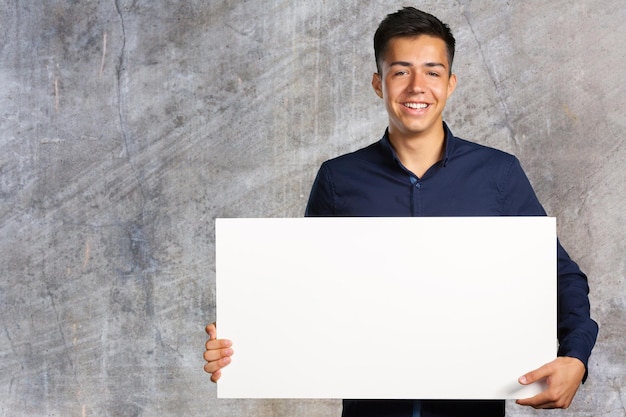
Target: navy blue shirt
{"type": "Point", "coordinates": [470, 180]}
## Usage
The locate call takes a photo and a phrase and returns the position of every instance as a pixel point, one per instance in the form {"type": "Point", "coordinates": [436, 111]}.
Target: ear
{"type": "Point", "coordinates": [451, 84]}
{"type": "Point", "coordinates": [377, 84]}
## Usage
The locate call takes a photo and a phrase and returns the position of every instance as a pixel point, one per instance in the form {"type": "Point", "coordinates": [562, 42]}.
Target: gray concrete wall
{"type": "Point", "coordinates": [127, 127]}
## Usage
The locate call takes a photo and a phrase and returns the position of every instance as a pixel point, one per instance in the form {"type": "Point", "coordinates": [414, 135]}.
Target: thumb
{"type": "Point", "coordinates": [533, 376]}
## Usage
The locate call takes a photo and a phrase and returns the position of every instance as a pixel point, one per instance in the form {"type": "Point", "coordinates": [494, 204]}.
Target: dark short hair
{"type": "Point", "coordinates": [410, 22]}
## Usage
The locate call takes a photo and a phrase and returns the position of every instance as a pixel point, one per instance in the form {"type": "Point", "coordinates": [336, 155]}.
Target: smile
{"type": "Point", "coordinates": [416, 106]}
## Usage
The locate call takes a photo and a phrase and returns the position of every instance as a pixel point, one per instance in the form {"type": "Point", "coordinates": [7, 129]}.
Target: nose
{"type": "Point", "coordinates": [416, 84]}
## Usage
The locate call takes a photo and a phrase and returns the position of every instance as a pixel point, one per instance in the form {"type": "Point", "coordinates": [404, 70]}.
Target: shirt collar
{"type": "Point", "coordinates": [448, 145]}
{"type": "Point", "coordinates": [447, 151]}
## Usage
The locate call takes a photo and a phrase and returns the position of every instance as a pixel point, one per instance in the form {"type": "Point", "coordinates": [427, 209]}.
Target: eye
{"type": "Point", "coordinates": [433, 74]}
{"type": "Point", "coordinates": [401, 72]}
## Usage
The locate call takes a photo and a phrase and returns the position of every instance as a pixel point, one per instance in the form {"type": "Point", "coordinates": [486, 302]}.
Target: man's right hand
{"type": "Point", "coordinates": [217, 354]}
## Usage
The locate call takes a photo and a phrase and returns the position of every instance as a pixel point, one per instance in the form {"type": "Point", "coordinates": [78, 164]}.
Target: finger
{"type": "Point", "coordinates": [211, 331]}
{"type": "Point", "coordinates": [547, 400]}
{"type": "Point", "coordinates": [215, 366]}
{"type": "Point", "coordinates": [213, 344]}
{"type": "Point", "coordinates": [216, 354]}
{"type": "Point", "coordinates": [544, 397]}
{"type": "Point", "coordinates": [531, 402]}
{"type": "Point", "coordinates": [536, 402]}
{"type": "Point", "coordinates": [216, 375]}
{"type": "Point", "coordinates": [544, 400]}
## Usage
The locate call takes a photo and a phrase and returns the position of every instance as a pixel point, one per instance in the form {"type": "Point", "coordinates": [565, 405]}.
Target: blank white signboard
{"type": "Point", "coordinates": [438, 308]}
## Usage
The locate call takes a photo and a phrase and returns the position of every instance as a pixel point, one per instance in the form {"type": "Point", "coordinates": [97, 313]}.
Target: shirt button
{"type": "Point", "coordinates": [418, 185]}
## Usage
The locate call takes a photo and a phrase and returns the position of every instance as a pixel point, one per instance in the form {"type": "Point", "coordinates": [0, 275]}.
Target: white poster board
{"type": "Point", "coordinates": [438, 308]}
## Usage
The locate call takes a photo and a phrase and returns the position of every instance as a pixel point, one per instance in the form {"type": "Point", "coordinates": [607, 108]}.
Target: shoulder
{"type": "Point", "coordinates": [371, 153]}
{"type": "Point", "coordinates": [471, 153]}
{"type": "Point", "coordinates": [366, 158]}
{"type": "Point", "coordinates": [463, 147]}
{"type": "Point", "coordinates": [459, 148]}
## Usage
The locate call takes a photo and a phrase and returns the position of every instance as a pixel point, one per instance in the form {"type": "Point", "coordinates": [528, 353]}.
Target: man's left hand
{"type": "Point", "coordinates": [563, 377]}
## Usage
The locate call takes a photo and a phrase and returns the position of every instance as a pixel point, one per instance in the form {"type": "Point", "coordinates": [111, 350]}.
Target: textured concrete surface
{"type": "Point", "coordinates": [127, 127]}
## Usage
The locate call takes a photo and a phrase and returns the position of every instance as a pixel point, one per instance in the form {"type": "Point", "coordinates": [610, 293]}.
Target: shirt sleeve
{"type": "Point", "coordinates": [322, 199]}
{"type": "Point", "coordinates": [576, 331]}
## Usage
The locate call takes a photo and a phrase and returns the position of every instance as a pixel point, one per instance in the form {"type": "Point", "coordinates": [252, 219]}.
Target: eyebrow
{"type": "Point", "coordinates": [409, 64]}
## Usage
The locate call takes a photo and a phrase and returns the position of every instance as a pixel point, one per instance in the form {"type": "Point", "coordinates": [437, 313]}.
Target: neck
{"type": "Point", "coordinates": [417, 153]}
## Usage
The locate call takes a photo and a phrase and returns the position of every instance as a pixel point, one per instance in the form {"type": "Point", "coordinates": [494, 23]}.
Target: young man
{"type": "Point", "coordinates": [419, 168]}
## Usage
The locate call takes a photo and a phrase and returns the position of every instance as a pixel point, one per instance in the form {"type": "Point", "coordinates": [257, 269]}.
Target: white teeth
{"type": "Point", "coordinates": [416, 105]}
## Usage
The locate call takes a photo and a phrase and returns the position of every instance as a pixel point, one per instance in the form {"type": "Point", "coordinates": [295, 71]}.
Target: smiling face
{"type": "Point", "coordinates": [415, 83]}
